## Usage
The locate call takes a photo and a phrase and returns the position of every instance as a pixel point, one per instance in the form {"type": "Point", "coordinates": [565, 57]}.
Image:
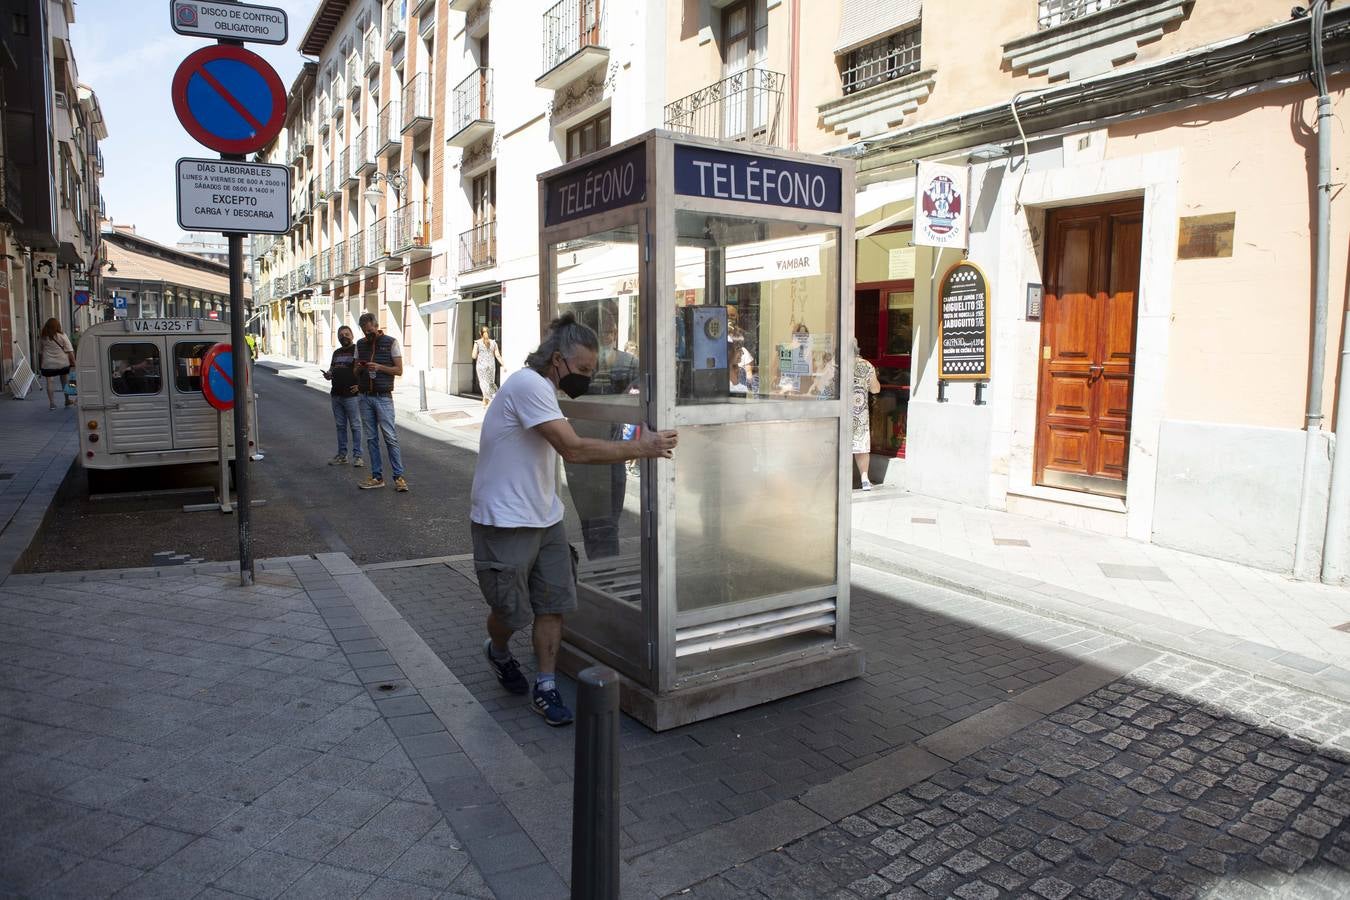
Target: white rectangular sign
{"type": "Point", "coordinates": [941, 205]}
{"type": "Point", "coordinates": [161, 326]}
{"type": "Point", "coordinates": [249, 198]}
{"type": "Point", "coordinates": [230, 21]}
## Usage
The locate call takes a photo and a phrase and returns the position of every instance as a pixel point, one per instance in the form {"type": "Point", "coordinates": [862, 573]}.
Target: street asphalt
{"type": "Point", "coordinates": [311, 507]}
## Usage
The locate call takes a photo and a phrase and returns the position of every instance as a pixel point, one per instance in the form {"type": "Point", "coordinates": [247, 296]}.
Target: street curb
{"type": "Point", "coordinates": [1077, 608]}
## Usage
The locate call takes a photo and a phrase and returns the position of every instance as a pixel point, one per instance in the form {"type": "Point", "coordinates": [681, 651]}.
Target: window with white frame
{"type": "Point", "coordinates": [885, 59]}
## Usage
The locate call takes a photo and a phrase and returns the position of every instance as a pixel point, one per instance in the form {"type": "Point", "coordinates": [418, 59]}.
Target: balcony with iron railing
{"type": "Point", "coordinates": [377, 242]}
{"type": "Point", "coordinates": [574, 42]}
{"type": "Point", "coordinates": [356, 251]}
{"type": "Point", "coordinates": [304, 273]}
{"type": "Point", "coordinates": [478, 247]}
{"type": "Point", "coordinates": [350, 164]}
{"type": "Point", "coordinates": [390, 136]}
{"type": "Point", "coordinates": [471, 109]}
{"type": "Point", "coordinates": [326, 185]}
{"type": "Point", "coordinates": [325, 265]}
{"type": "Point", "coordinates": [354, 71]}
{"type": "Point", "coordinates": [340, 259]}
{"type": "Point", "coordinates": [324, 116]}
{"type": "Point", "coordinates": [363, 151]}
{"type": "Point", "coordinates": [98, 165]}
{"type": "Point", "coordinates": [410, 227]}
{"type": "Point", "coordinates": [746, 106]}
{"type": "Point", "coordinates": [371, 51]}
{"type": "Point", "coordinates": [1057, 12]}
{"type": "Point", "coordinates": [417, 104]}
{"type": "Point", "coordinates": [396, 14]}
{"type": "Point", "coordinates": [11, 192]}
{"type": "Point", "coordinates": [339, 97]}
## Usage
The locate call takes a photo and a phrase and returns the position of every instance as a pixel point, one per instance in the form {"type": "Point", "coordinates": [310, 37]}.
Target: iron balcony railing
{"type": "Point", "coordinates": [325, 265]}
{"type": "Point", "coordinates": [568, 27]}
{"type": "Point", "coordinates": [416, 101]}
{"type": "Point", "coordinates": [746, 106]}
{"type": "Point", "coordinates": [304, 273]}
{"type": "Point", "coordinates": [324, 116]}
{"type": "Point", "coordinates": [354, 72]}
{"type": "Point", "coordinates": [340, 259]}
{"type": "Point", "coordinates": [410, 227]}
{"type": "Point", "coordinates": [363, 151]}
{"type": "Point", "coordinates": [12, 186]}
{"type": "Point", "coordinates": [377, 241]}
{"type": "Point", "coordinates": [390, 127]}
{"type": "Point", "coordinates": [472, 100]}
{"type": "Point", "coordinates": [372, 51]}
{"type": "Point", "coordinates": [478, 247]}
{"type": "Point", "coordinates": [99, 158]}
{"type": "Point", "coordinates": [339, 96]}
{"type": "Point", "coordinates": [356, 255]}
{"type": "Point", "coordinates": [346, 168]}
{"type": "Point", "coordinates": [1057, 12]}
{"type": "Point", "coordinates": [892, 57]}
{"type": "Point", "coordinates": [327, 186]}
{"type": "Point", "coordinates": [396, 14]}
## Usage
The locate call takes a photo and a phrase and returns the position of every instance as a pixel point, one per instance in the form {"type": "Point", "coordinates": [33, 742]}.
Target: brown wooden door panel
{"type": "Point", "coordinates": [1088, 346]}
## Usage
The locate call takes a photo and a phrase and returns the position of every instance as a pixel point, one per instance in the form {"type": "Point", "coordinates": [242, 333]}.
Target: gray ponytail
{"type": "Point", "coordinates": [564, 333]}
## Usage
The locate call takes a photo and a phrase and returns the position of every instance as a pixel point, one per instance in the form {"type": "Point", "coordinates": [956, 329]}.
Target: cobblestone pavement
{"type": "Point", "coordinates": [933, 658]}
{"type": "Point", "coordinates": [1181, 780]}
{"type": "Point", "coordinates": [175, 735]}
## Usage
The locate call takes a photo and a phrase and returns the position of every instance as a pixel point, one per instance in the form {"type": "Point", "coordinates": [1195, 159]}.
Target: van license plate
{"type": "Point", "coordinates": [161, 326]}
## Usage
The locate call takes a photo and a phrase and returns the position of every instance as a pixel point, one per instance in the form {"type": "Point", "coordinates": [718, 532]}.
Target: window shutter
{"type": "Point", "coordinates": [863, 21]}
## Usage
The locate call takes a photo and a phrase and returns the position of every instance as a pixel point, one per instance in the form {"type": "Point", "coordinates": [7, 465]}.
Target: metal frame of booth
{"type": "Point", "coordinates": [684, 665]}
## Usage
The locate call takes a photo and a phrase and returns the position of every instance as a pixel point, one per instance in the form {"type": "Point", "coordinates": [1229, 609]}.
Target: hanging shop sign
{"type": "Point", "coordinates": [610, 183]}
{"type": "Point", "coordinates": [963, 344]}
{"type": "Point", "coordinates": [720, 175]}
{"type": "Point", "coordinates": [941, 206]}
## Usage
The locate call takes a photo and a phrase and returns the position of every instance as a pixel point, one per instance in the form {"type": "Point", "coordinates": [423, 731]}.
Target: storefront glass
{"type": "Point", "coordinates": [884, 326]}
{"type": "Point", "coordinates": [757, 310]}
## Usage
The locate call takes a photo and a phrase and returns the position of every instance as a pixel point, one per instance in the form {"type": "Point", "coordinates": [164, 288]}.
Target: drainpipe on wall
{"type": "Point", "coordinates": [1312, 422]}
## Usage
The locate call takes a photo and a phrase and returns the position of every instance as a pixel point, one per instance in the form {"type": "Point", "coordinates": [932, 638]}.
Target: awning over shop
{"type": "Point", "coordinates": [882, 206]}
{"type": "Point", "coordinates": [863, 21]}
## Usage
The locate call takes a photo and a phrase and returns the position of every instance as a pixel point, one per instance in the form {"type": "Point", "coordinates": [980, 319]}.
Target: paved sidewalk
{"type": "Point", "coordinates": [166, 733]}
{"type": "Point", "coordinates": [1064, 572]}
{"type": "Point", "coordinates": [449, 416]}
{"type": "Point", "coordinates": [37, 448]}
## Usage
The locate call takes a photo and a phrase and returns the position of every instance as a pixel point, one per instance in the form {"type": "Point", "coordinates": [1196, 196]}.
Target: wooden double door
{"type": "Point", "coordinates": [1088, 326]}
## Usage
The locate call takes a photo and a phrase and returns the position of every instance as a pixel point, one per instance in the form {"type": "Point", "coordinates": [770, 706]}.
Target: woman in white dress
{"type": "Point", "coordinates": [486, 358]}
{"type": "Point", "coordinates": [865, 382]}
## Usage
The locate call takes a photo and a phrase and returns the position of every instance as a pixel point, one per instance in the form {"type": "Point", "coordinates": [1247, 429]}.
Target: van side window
{"type": "Point", "coordinates": [187, 365]}
{"type": "Point", "coordinates": [134, 368]}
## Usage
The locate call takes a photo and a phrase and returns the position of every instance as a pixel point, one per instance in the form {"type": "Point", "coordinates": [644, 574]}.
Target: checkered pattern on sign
{"type": "Point", "coordinates": [957, 366]}
{"type": "Point", "coordinates": [963, 276]}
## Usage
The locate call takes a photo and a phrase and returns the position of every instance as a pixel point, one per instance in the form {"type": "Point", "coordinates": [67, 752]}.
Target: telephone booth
{"type": "Point", "coordinates": [713, 274]}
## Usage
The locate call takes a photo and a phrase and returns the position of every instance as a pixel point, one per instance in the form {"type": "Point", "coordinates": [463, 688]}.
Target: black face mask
{"type": "Point", "coordinates": [345, 340]}
{"type": "Point", "coordinates": [573, 384]}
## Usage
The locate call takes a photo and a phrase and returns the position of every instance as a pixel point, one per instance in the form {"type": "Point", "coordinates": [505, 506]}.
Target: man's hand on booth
{"type": "Point", "coordinates": [576, 449]}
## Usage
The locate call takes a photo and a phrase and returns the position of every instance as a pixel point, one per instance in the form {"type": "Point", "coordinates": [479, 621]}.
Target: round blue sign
{"type": "Point", "coordinates": [218, 377]}
{"type": "Point", "coordinates": [229, 99]}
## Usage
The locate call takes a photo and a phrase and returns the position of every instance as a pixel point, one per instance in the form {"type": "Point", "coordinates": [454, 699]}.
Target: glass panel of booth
{"type": "Point", "coordinates": [756, 310]}
{"type": "Point", "coordinates": [597, 279]}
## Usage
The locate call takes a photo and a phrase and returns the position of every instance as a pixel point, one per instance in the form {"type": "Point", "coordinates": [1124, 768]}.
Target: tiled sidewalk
{"type": "Point", "coordinates": [37, 446]}
{"type": "Point", "coordinates": [1253, 605]}
{"type": "Point", "coordinates": [166, 733]}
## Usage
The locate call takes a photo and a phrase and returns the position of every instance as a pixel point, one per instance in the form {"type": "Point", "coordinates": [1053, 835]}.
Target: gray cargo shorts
{"type": "Point", "coordinates": [525, 572]}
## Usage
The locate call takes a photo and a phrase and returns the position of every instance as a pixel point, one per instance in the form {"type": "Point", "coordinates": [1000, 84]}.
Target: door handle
{"type": "Point", "coordinates": [1094, 372]}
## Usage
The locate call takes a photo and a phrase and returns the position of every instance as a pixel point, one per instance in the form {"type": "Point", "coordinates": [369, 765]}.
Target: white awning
{"type": "Point", "coordinates": [866, 20]}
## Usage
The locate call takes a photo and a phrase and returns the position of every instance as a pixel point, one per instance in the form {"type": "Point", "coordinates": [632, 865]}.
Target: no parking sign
{"type": "Point", "coordinates": [218, 377]}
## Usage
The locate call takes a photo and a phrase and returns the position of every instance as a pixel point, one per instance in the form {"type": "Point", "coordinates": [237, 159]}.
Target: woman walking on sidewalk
{"type": "Point", "coordinates": [486, 358]}
{"type": "Point", "coordinates": [55, 358]}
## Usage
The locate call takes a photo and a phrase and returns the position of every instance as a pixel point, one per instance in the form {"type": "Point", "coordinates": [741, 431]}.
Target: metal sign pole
{"type": "Point", "coordinates": [239, 352]}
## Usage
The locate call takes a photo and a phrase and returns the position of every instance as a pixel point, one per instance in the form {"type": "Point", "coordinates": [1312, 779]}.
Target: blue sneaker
{"type": "Point", "coordinates": [549, 704]}
{"type": "Point", "coordinates": [507, 672]}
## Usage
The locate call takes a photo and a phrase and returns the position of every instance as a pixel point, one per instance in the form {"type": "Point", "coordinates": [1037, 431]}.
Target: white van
{"type": "Point", "coordinates": [140, 394]}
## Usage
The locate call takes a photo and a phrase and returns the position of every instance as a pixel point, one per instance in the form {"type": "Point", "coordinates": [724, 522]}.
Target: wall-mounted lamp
{"type": "Point", "coordinates": [396, 180]}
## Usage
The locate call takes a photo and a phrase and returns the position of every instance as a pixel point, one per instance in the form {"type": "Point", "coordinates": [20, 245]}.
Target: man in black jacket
{"type": "Point", "coordinates": [379, 359]}
{"type": "Point", "coordinates": [346, 406]}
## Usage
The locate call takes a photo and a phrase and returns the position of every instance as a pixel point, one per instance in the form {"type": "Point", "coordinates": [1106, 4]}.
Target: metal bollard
{"type": "Point", "coordinates": [595, 791]}
{"type": "Point", "coordinates": [422, 390]}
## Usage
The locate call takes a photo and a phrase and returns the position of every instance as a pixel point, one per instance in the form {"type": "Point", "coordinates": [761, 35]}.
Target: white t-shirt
{"type": "Point", "coordinates": [515, 484]}
{"type": "Point", "coordinates": [54, 352]}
